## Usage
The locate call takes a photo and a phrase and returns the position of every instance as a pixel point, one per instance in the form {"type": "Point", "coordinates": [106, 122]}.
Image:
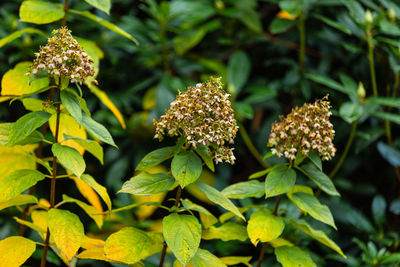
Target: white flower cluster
{"type": "Point", "coordinates": [63, 57]}
{"type": "Point", "coordinates": [304, 129]}
{"type": "Point", "coordinates": [203, 114]}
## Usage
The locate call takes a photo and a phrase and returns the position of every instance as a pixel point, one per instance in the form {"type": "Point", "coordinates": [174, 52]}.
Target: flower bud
{"type": "Point", "coordinates": [392, 14]}
{"type": "Point", "coordinates": [368, 17]}
{"type": "Point", "coordinates": [361, 91]}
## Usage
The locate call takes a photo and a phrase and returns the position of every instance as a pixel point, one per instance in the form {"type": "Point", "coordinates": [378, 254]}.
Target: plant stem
{"type": "Point", "coordinates": [54, 173]}
{"type": "Point", "coordinates": [346, 150]}
{"type": "Point", "coordinates": [371, 62]}
{"type": "Point", "coordinates": [253, 150]}
{"type": "Point", "coordinates": [164, 250]}
{"type": "Point", "coordinates": [302, 36]}
{"type": "Point", "coordinates": [64, 20]}
{"type": "Point", "coordinates": [262, 252]}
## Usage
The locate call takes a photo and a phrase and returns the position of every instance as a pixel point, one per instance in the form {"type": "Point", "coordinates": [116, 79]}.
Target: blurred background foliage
{"type": "Point", "coordinates": [272, 55]}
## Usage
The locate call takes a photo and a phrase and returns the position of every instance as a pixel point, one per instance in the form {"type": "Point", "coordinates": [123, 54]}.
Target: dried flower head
{"type": "Point", "coordinates": [63, 57]}
{"type": "Point", "coordinates": [204, 115]}
{"type": "Point", "coordinates": [304, 129]}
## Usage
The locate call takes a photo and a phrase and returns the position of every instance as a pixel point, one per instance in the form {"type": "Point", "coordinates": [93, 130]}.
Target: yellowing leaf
{"type": "Point", "coordinates": [129, 245]}
{"type": "Point", "coordinates": [67, 231]}
{"type": "Point", "coordinates": [226, 232]}
{"type": "Point", "coordinates": [16, 158]}
{"type": "Point", "coordinates": [18, 34]}
{"type": "Point", "coordinates": [285, 15]}
{"type": "Point", "coordinates": [234, 260]}
{"type": "Point", "coordinates": [108, 103]}
{"type": "Point", "coordinates": [17, 182]}
{"type": "Point", "coordinates": [70, 127]}
{"type": "Point", "coordinates": [15, 82]}
{"type": "Point", "coordinates": [264, 227]}
{"type": "Point", "coordinates": [279, 242]}
{"type": "Point", "coordinates": [182, 233]}
{"type": "Point", "coordinates": [101, 190]}
{"type": "Point", "coordinates": [90, 210]}
{"type": "Point", "coordinates": [89, 242]}
{"type": "Point", "coordinates": [145, 211]}
{"type": "Point", "coordinates": [15, 250]}
{"type": "Point", "coordinates": [95, 254]}
{"type": "Point", "coordinates": [18, 200]}
{"type": "Point", "coordinates": [88, 192]}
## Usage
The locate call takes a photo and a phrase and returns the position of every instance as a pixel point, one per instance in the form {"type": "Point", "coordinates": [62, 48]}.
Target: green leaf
{"type": "Point", "coordinates": [25, 125]}
{"type": "Point", "coordinates": [244, 190]}
{"type": "Point", "coordinates": [15, 250]}
{"type": "Point", "coordinates": [279, 181]}
{"type": "Point", "coordinates": [279, 25]}
{"type": "Point", "coordinates": [315, 159]}
{"type": "Point", "coordinates": [104, 5]}
{"type": "Point", "coordinates": [391, 258]}
{"type": "Point", "coordinates": [156, 157]}
{"type": "Point", "coordinates": [204, 258]}
{"type": "Point", "coordinates": [389, 153]}
{"type": "Point", "coordinates": [146, 184]}
{"type": "Point", "coordinates": [386, 101]}
{"type": "Point", "coordinates": [379, 210]}
{"type": "Point", "coordinates": [67, 231]}
{"type": "Point", "coordinates": [205, 154]}
{"type": "Point", "coordinates": [238, 71]}
{"type": "Point", "coordinates": [182, 233]}
{"type": "Point", "coordinates": [310, 204]}
{"type": "Point", "coordinates": [218, 198]}
{"type": "Point", "coordinates": [293, 256]}
{"type": "Point", "coordinates": [189, 205]}
{"type": "Point", "coordinates": [129, 245]}
{"type": "Point", "coordinates": [318, 235]}
{"type": "Point", "coordinates": [70, 158]}
{"type": "Point", "coordinates": [90, 210]}
{"type": "Point", "coordinates": [16, 83]}
{"type": "Point", "coordinates": [264, 227]}
{"type": "Point", "coordinates": [389, 27]}
{"type": "Point", "coordinates": [91, 146]}
{"type": "Point", "coordinates": [97, 130]}
{"type": "Point", "coordinates": [17, 182]}
{"type": "Point", "coordinates": [333, 23]}
{"type": "Point", "coordinates": [105, 23]}
{"type": "Point", "coordinates": [226, 232]}
{"type": "Point", "coordinates": [18, 200]}
{"type": "Point", "coordinates": [350, 111]}
{"type": "Point", "coordinates": [72, 104]}
{"type": "Point", "coordinates": [40, 12]}
{"type": "Point", "coordinates": [328, 82]}
{"type": "Point", "coordinates": [101, 190]}
{"type": "Point", "coordinates": [319, 178]}
{"type": "Point", "coordinates": [186, 167]}
{"type": "Point", "coordinates": [387, 116]}
{"type": "Point", "coordinates": [17, 34]}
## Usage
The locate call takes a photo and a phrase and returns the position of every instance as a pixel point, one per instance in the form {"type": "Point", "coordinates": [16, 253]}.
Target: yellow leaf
{"type": "Point", "coordinates": [235, 260]}
{"type": "Point", "coordinates": [67, 231]}
{"type": "Point", "coordinates": [95, 254]}
{"type": "Point", "coordinates": [107, 102]}
{"type": "Point", "coordinates": [89, 242]}
{"type": "Point", "coordinates": [15, 250]}
{"type": "Point", "coordinates": [15, 82]}
{"type": "Point", "coordinates": [88, 192]}
{"type": "Point", "coordinates": [91, 211]}
{"type": "Point", "coordinates": [16, 158]}
{"type": "Point", "coordinates": [285, 15]}
{"type": "Point", "coordinates": [39, 218]}
{"type": "Point", "coordinates": [18, 200]}
{"type": "Point", "coordinates": [44, 203]}
{"type": "Point", "coordinates": [68, 126]}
